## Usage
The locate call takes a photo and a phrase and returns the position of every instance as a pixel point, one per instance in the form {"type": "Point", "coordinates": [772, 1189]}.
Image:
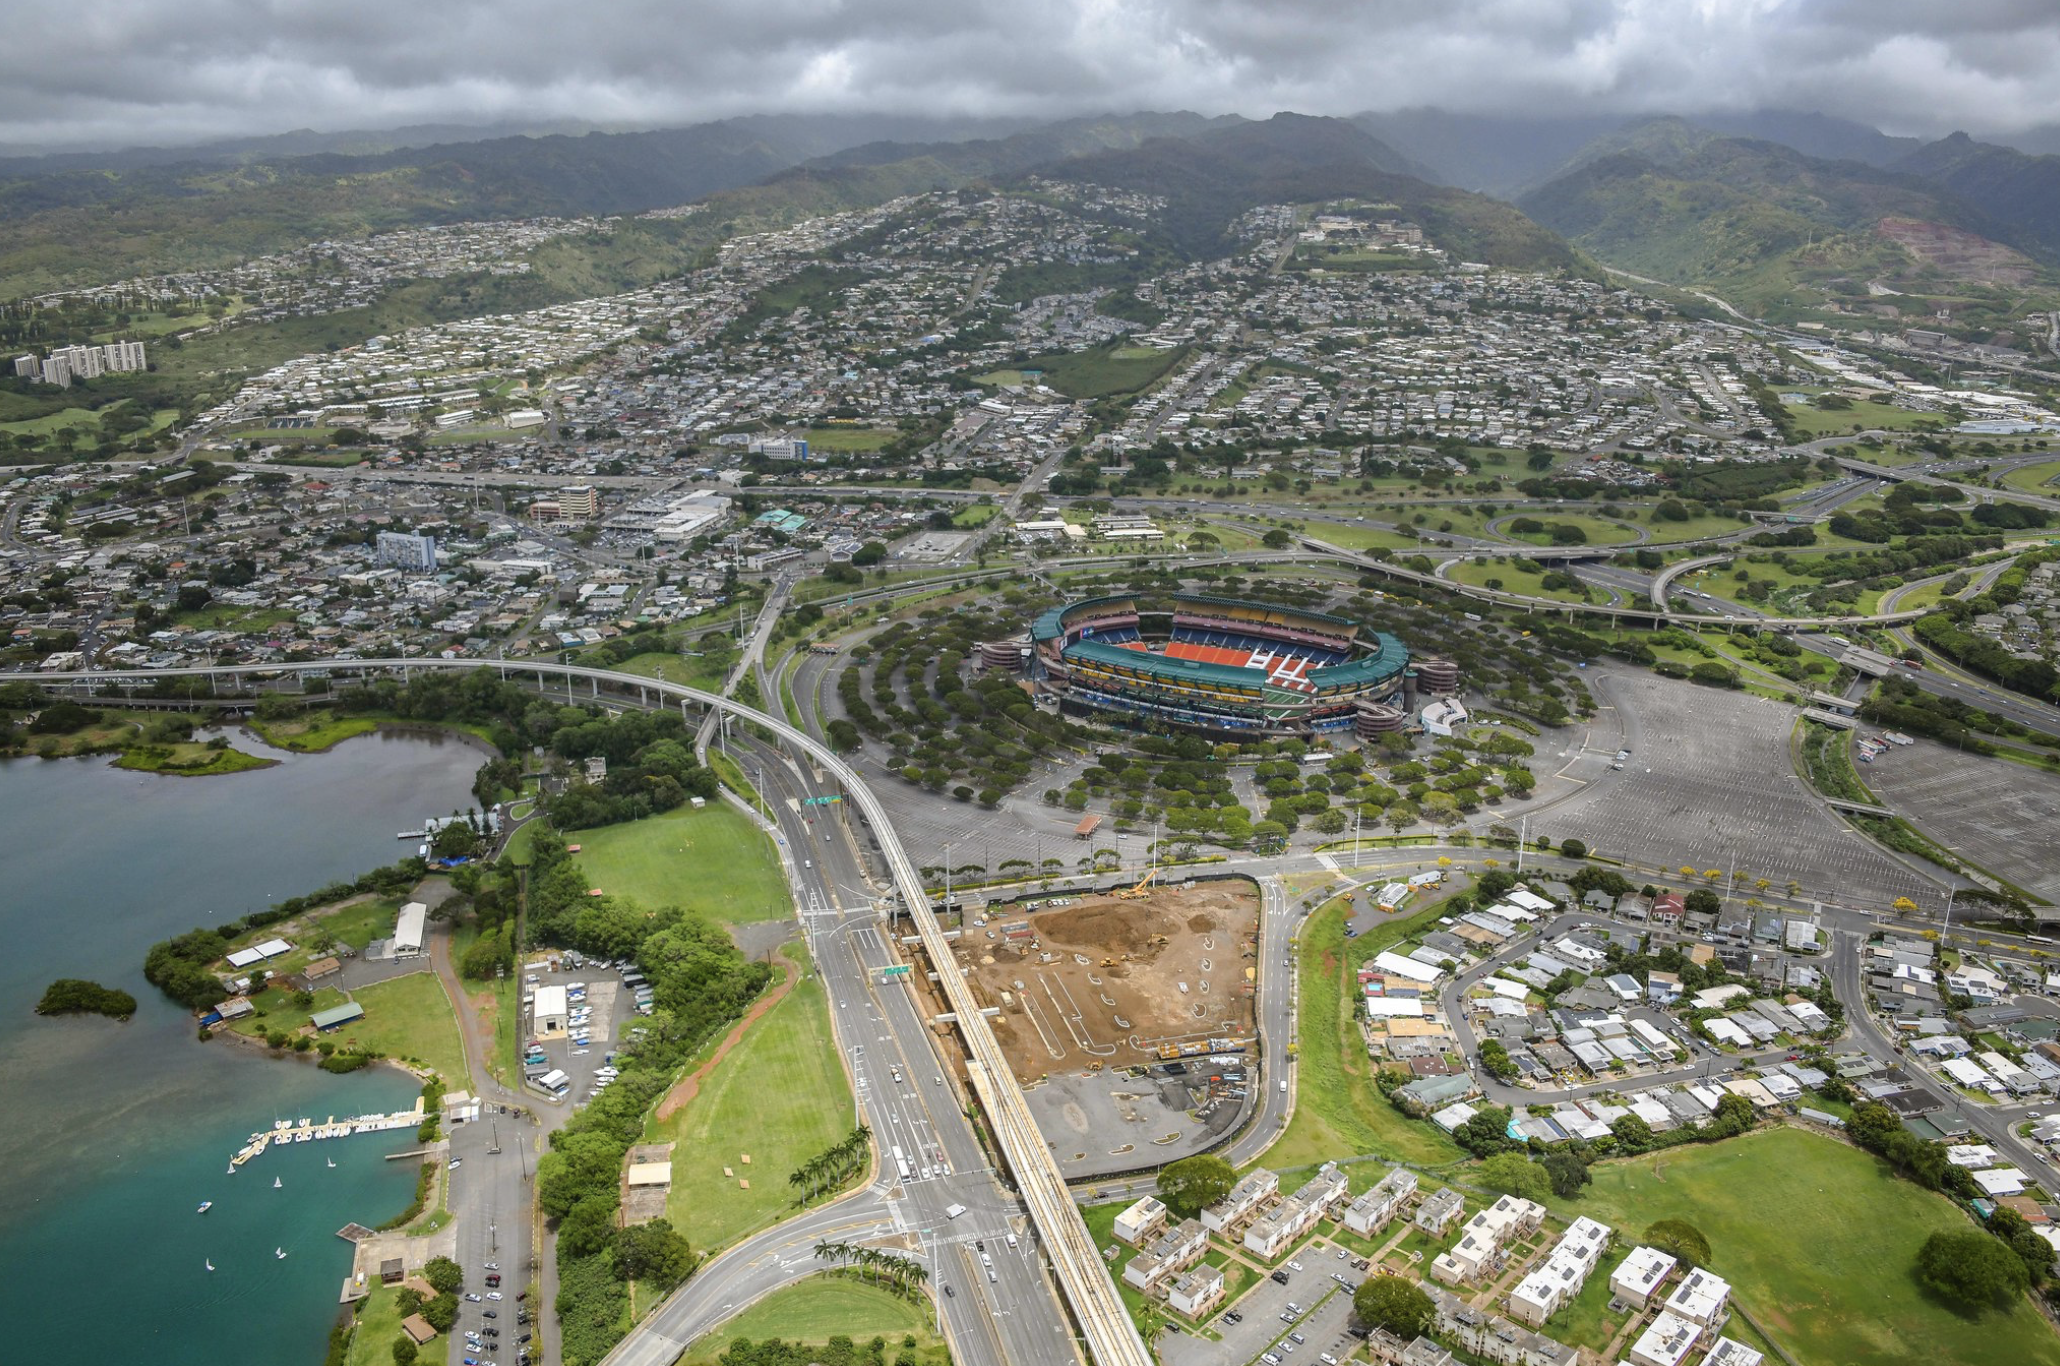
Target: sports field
{"type": "Point", "coordinates": [713, 861]}
{"type": "Point", "coordinates": [780, 1097]}
{"type": "Point", "coordinates": [813, 1311]}
{"type": "Point", "coordinates": [1819, 1242]}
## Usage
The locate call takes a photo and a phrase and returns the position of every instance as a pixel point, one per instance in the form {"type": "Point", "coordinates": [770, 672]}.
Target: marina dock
{"type": "Point", "coordinates": [310, 1130]}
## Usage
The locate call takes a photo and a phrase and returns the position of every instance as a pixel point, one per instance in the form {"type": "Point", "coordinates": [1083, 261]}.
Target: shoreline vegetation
{"type": "Point", "coordinates": [77, 996]}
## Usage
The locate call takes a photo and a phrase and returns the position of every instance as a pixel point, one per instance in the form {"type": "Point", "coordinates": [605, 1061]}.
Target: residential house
{"type": "Point", "coordinates": [1274, 1232]}
{"type": "Point", "coordinates": [1703, 1298]}
{"type": "Point", "coordinates": [1492, 1337]}
{"type": "Point", "coordinates": [1548, 1288]}
{"type": "Point", "coordinates": [1197, 1292]}
{"type": "Point", "coordinates": [1667, 1342]}
{"type": "Point", "coordinates": [1662, 988]}
{"type": "Point", "coordinates": [1439, 1211]}
{"type": "Point", "coordinates": [1170, 1253]}
{"type": "Point", "coordinates": [1246, 1196]}
{"type": "Point", "coordinates": [1371, 1212]}
{"type": "Point", "coordinates": [1485, 1236]}
{"type": "Point", "coordinates": [1143, 1220]}
{"type": "Point", "coordinates": [1731, 1352]}
{"type": "Point", "coordinates": [1639, 1274]}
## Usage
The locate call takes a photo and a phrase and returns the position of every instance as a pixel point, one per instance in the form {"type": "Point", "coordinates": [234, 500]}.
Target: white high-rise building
{"type": "Point", "coordinates": [124, 355]}
{"type": "Point", "coordinates": [28, 368]}
{"type": "Point", "coordinates": [404, 550]}
{"type": "Point", "coordinates": [57, 370]}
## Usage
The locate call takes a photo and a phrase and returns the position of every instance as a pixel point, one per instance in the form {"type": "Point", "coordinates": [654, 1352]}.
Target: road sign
{"type": "Point", "coordinates": [898, 970]}
{"type": "Point", "coordinates": [820, 801]}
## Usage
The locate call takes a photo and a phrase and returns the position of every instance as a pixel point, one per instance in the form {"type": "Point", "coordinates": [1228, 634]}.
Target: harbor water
{"type": "Point", "coordinates": [115, 1133]}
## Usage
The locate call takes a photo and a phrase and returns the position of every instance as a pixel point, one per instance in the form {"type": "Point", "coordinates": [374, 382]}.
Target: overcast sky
{"type": "Point", "coordinates": [166, 71]}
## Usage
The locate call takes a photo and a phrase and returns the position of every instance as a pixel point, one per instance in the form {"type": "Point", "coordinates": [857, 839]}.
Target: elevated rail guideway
{"type": "Point", "coordinates": [1109, 1336]}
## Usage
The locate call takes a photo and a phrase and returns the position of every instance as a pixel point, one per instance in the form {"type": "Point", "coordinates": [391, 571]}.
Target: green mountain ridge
{"type": "Point", "coordinates": [1760, 223]}
{"type": "Point", "coordinates": [1212, 178]}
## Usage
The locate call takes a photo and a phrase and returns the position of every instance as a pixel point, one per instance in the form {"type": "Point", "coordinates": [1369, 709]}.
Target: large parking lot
{"type": "Point", "coordinates": [1708, 782]}
{"type": "Point", "coordinates": [1265, 1324]}
{"type": "Point", "coordinates": [597, 1005]}
{"type": "Point", "coordinates": [2001, 815]}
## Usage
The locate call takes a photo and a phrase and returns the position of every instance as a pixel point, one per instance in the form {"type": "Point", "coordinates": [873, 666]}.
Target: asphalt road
{"type": "Point", "coordinates": [1014, 1316]}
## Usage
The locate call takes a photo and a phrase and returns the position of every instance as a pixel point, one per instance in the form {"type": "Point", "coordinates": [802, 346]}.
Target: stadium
{"type": "Point", "coordinates": [1225, 667]}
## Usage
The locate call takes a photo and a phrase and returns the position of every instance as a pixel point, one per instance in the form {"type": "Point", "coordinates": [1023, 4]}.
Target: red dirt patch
{"type": "Point", "coordinates": [689, 1086]}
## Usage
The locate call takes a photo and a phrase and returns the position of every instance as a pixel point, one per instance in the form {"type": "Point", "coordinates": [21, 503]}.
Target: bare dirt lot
{"type": "Point", "coordinates": [1109, 981]}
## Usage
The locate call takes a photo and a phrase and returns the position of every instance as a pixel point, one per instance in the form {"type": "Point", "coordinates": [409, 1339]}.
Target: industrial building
{"type": "Point", "coordinates": [1225, 667]}
{"type": "Point", "coordinates": [547, 1013]}
{"type": "Point", "coordinates": [408, 930]}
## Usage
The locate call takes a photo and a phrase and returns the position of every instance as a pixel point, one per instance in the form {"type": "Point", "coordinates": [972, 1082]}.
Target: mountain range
{"type": "Point", "coordinates": [1754, 204]}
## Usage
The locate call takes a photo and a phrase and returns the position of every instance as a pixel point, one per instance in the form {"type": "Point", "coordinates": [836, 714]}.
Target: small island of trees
{"type": "Point", "coordinates": [77, 996]}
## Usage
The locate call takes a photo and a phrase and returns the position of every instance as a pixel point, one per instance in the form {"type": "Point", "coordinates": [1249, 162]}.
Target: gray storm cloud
{"type": "Point", "coordinates": [154, 71]}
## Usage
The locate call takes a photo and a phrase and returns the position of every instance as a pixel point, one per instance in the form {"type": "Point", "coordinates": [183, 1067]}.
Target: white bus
{"type": "Point", "coordinates": [901, 1163]}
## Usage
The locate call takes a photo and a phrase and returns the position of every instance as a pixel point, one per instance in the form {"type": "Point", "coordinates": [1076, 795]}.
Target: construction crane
{"type": "Point", "coordinates": [1143, 885]}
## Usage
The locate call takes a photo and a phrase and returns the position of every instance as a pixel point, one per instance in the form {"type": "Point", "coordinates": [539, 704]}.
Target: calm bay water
{"type": "Point", "coordinates": [114, 1133]}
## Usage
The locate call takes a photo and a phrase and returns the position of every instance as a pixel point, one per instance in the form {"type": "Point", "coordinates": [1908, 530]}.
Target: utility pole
{"type": "Point", "coordinates": [1523, 843]}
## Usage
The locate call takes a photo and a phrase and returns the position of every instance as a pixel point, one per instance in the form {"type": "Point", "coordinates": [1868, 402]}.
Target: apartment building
{"type": "Point", "coordinates": [1170, 1253]}
{"type": "Point", "coordinates": [1548, 1288]}
{"type": "Point", "coordinates": [1372, 1212]}
{"type": "Point", "coordinates": [1484, 1238]}
{"type": "Point", "coordinates": [1244, 1198]}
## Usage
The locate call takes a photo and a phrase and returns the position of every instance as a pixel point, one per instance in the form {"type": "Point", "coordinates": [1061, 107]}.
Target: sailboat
{"type": "Point", "coordinates": [280, 1253]}
{"type": "Point", "coordinates": [210, 1265]}
{"type": "Point", "coordinates": [205, 1206]}
{"type": "Point", "coordinates": [332, 1162]}
{"type": "Point", "coordinates": [276, 1183]}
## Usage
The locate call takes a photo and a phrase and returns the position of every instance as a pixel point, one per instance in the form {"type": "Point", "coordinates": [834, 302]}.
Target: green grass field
{"type": "Point", "coordinates": [1864, 415]}
{"type": "Point", "coordinates": [847, 438]}
{"type": "Point", "coordinates": [1105, 371]}
{"type": "Point", "coordinates": [1819, 1242]}
{"type": "Point", "coordinates": [189, 759]}
{"type": "Point", "coordinates": [1338, 1111]}
{"type": "Point", "coordinates": [1599, 530]}
{"type": "Point", "coordinates": [2033, 478]}
{"type": "Point", "coordinates": [379, 1327]}
{"type": "Point", "coordinates": [686, 670]}
{"type": "Point", "coordinates": [712, 861]}
{"type": "Point", "coordinates": [1356, 537]}
{"type": "Point", "coordinates": [410, 1017]}
{"type": "Point", "coordinates": [975, 515]}
{"type": "Point", "coordinates": [781, 1096]}
{"type": "Point", "coordinates": [820, 1308]}
{"type": "Point", "coordinates": [311, 732]}
{"type": "Point", "coordinates": [1510, 579]}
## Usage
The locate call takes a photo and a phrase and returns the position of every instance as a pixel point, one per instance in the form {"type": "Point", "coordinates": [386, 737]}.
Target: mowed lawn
{"type": "Point", "coordinates": [781, 1097]}
{"type": "Point", "coordinates": [820, 1308]}
{"type": "Point", "coordinates": [410, 1017]}
{"type": "Point", "coordinates": [713, 861]}
{"type": "Point", "coordinates": [1819, 1242]}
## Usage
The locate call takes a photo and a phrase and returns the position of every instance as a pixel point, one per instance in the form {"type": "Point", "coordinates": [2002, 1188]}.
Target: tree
{"type": "Point", "coordinates": [1399, 1306]}
{"type": "Point", "coordinates": [653, 1252]}
{"type": "Point", "coordinates": [1517, 1174]}
{"type": "Point", "coordinates": [1573, 848]}
{"type": "Point", "coordinates": [444, 1275]}
{"type": "Point", "coordinates": [871, 553]}
{"type": "Point", "coordinates": [1679, 1239]}
{"type": "Point", "coordinates": [1193, 1183]}
{"type": "Point", "coordinates": [1567, 1173]}
{"type": "Point", "coordinates": [1702, 901]}
{"type": "Point", "coordinates": [404, 1351]}
{"type": "Point", "coordinates": [1971, 1270]}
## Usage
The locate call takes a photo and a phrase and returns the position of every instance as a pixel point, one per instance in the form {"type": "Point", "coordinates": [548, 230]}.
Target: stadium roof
{"type": "Point", "coordinates": [1390, 656]}
{"type": "Point", "coordinates": [1301, 612]}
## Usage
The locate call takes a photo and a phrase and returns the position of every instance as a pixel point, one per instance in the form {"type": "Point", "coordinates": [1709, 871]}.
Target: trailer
{"type": "Point", "coordinates": [1088, 825]}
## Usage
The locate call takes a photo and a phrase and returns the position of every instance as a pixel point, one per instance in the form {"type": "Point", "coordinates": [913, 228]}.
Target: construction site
{"type": "Point", "coordinates": [1106, 981]}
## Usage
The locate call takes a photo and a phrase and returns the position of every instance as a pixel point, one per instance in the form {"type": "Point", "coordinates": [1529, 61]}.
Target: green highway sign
{"type": "Point", "coordinates": [898, 970]}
